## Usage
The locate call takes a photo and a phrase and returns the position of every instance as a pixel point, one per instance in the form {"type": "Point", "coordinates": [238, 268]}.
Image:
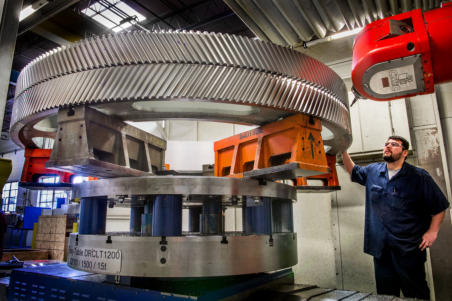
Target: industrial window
{"type": "Point", "coordinates": [48, 198]}
{"type": "Point", "coordinates": [9, 196]}
{"type": "Point", "coordinates": [113, 14]}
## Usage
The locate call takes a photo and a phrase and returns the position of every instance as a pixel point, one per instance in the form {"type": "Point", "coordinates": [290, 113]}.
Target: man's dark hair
{"type": "Point", "coordinates": [405, 143]}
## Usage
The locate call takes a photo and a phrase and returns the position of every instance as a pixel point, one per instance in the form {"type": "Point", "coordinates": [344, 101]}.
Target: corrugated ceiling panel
{"type": "Point", "coordinates": [292, 22]}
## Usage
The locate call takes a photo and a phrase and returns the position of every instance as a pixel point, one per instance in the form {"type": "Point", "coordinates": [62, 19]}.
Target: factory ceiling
{"type": "Point", "coordinates": [297, 22]}
{"type": "Point", "coordinates": [64, 21]}
{"type": "Point", "coordinates": [294, 23]}
{"type": "Point", "coordinates": [285, 22]}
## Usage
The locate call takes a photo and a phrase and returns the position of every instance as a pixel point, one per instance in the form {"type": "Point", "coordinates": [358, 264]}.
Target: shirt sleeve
{"type": "Point", "coordinates": [434, 198]}
{"type": "Point", "coordinates": [359, 174]}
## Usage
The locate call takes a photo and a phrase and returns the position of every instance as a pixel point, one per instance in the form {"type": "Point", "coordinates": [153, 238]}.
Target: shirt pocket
{"type": "Point", "coordinates": [376, 193]}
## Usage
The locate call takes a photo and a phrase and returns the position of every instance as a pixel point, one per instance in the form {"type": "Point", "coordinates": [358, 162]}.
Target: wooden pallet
{"type": "Point", "coordinates": [23, 255]}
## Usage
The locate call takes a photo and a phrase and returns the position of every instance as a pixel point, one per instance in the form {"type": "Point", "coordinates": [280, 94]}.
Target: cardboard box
{"type": "Point", "coordinates": [51, 235]}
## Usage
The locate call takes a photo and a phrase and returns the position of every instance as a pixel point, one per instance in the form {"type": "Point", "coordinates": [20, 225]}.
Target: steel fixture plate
{"type": "Point", "coordinates": [185, 185]}
{"type": "Point", "coordinates": [182, 256]}
{"type": "Point", "coordinates": [162, 75]}
{"type": "Point", "coordinates": [285, 171]}
{"type": "Point", "coordinates": [94, 144]}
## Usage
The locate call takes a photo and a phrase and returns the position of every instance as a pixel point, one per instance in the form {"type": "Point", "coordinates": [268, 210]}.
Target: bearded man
{"type": "Point", "coordinates": [404, 211]}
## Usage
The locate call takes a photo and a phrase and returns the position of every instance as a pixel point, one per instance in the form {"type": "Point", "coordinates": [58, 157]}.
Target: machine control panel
{"type": "Point", "coordinates": [394, 78]}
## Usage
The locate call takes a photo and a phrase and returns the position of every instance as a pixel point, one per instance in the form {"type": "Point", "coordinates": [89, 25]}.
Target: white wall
{"type": "Point", "coordinates": [190, 143]}
{"type": "Point", "coordinates": [313, 225]}
{"type": "Point", "coordinates": [354, 267]}
{"type": "Point", "coordinates": [118, 219]}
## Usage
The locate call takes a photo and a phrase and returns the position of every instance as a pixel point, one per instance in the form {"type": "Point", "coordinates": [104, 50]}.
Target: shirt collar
{"type": "Point", "coordinates": [383, 169]}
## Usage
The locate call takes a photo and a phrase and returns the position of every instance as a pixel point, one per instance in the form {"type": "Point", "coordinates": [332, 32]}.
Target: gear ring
{"type": "Point", "coordinates": [143, 76]}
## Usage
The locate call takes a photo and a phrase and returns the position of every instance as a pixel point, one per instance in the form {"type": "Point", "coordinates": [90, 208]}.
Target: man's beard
{"type": "Point", "coordinates": [392, 158]}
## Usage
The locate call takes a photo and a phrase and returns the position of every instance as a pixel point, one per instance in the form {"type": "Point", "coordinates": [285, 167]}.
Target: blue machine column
{"type": "Point", "coordinates": [167, 215]}
{"type": "Point", "coordinates": [211, 218]}
{"type": "Point", "coordinates": [93, 215]}
{"type": "Point", "coordinates": [282, 216]}
{"type": "Point", "coordinates": [257, 216]}
{"type": "Point", "coordinates": [146, 218]}
{"type": "Point", "coordinates": [135, 219]}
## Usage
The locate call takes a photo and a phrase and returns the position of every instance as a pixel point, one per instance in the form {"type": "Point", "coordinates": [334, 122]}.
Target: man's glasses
{"type": "Point", "coordinates": [393, 144]}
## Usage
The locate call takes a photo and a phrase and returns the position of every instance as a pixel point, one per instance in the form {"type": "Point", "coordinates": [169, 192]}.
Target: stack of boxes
{"type": "Point", "coordinates": [53, 233]}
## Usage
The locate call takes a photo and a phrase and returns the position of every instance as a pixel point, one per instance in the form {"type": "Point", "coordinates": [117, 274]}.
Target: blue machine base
{"type": "Point", "coordinates": [59, 282]}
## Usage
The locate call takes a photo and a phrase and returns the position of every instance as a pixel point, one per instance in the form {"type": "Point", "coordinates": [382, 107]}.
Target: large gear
{"type": "Point", "coordinates": [143, 76]}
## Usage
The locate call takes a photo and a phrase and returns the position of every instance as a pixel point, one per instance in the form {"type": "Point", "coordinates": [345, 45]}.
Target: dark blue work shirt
{"type": "Point", "coordinates": [398, 211]}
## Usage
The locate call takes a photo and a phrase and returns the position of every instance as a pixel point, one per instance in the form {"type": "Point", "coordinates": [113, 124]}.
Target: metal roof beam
{"type": "Point", "coordinates": [45, 13]}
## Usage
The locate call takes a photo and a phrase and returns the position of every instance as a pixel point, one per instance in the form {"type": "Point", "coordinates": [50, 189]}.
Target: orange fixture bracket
{"type": "Point", "coordinates": [285, 149]}
{"type": "Point", "coordinates": [329, 180]}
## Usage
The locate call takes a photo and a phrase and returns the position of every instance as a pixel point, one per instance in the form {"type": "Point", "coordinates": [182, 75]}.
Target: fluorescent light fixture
{"type": "Point", "coordinates": [344, 34]}
{"type": "Point", "coordinates": [26, 12]}
{"type": "Point", "coordinates": [31, 9]}
{"type": "Point", "coordinates": [113, 14]}
{"type": "Point", "coordinates": [336, 36]}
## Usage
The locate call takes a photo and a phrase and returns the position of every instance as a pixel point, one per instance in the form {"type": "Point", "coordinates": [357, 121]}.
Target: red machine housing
{"type": "Point", "coordinates": [34, 166]}
{"type": "Point", "coordinates": [403, 55]}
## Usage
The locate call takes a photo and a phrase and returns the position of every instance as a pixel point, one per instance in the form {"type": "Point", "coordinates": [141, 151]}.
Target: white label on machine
{"type": "Point", "coordinates": [393, 80]}
{"type": "Point", "coordinates": [107, 261]}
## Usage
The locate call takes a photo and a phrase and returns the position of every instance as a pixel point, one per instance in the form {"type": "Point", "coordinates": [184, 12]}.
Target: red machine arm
{"type": "Point", "coordinates": [403, 55]}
